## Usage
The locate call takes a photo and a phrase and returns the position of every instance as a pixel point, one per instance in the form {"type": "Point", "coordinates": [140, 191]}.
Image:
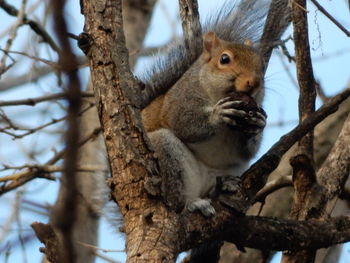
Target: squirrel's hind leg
{"type": "Point", "coordinates": [182, 182]}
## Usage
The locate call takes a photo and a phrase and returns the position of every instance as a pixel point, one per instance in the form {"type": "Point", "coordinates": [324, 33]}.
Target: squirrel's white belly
{"type": "Point", "coordinates": [221, 152]}
{"type": "Point", "coordinates": [218, 156]}
{"type": "Point", "coordinates": [200, 178]}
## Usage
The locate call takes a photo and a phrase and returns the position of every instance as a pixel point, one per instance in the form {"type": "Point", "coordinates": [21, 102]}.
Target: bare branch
{"type": "Point", "coordinates": [274, 28]}
{"type": "Point", "coordinates": [35, 129]}
{"type": "Point", "coordinates": [336, 164]}
{"type": "Point", "coordinates": [46, 169]}
{"type": "Point", "coordinates": [304, 72]}
{"type": "Point", "coordinates": [33, 75]}
{"type": "Point", "coordinates": [13, 34]}
{"type": "Point", "coordinates": [262, 232]}
{"type": "Point", "coordinates": [255, 177]}
{"type": "Point", "coordinates": [34, 101]}
{"type": "Point", "coordinates": [129, 153]}
{"type": "Point", "coordinates": [191, 26]}
{"type": "Point", "coordinates": [137, 15]}
{"type": "Point", "coordinates": [273, 186]}
{"type": "Point", "coordinates": [54, 65]}
{"type": "Point", "coordinates": [64, 217]}
{"type": "Point", "coordinates": [304, 178]}
{"type": "Point", "coordinates": [47, 236]}
{"type": "Point", "coordinates": [23, 178]}
{"type": "Point", "coordinates": [37, 28]}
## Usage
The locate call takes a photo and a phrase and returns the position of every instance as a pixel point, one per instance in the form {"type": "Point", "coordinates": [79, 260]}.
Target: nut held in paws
{"type": "Point", "coordinates": [248, 105]}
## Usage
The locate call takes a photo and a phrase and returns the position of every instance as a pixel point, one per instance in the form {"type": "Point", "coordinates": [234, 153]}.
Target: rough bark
{"type": "Point", "coordinates": [191, 27]}
{"type": "Point", "coordinates": [304, 180]}
{"type": "Point", "coordinates": [147, 224]}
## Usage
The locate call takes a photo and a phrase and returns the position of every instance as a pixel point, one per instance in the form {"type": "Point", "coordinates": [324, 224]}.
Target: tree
{"type": "Point", "coordinates": [155, 233]}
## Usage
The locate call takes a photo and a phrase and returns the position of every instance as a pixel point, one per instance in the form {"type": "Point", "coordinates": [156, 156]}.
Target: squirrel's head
{"type": "Point", "coordinates": [231, 67]}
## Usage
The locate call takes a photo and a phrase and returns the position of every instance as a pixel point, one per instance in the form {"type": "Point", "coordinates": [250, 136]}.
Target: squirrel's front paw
{"type": "Point", "coordinates": [230, 184]}
{"type": "Point", "coordinates": [225, 111]}
{"type": "Point", "coordinates": [255, 122]}
{"type": "Point", "coordinates": [202, 205]}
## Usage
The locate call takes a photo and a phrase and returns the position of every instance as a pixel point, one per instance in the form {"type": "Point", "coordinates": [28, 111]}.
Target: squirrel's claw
{"type": "Point", "coordinates": [257, 119]}
{"type": "Point", "coordinates": [231, 113]}
{"type": "Point", "coordinates": [225, 111]}
{"type": "Point", "coordinates": [202, 205]}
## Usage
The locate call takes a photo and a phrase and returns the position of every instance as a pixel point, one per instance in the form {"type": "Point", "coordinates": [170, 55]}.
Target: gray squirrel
{"type": "Point", "coordinates": [195, 126]}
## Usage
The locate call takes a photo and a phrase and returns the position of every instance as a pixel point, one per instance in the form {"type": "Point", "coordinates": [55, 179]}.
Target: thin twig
{"type": "Point", "coordinates": [54, 65]}
{"type": "Point", "coordinates": [273, 186]}
{"type": "Point", "coordinates": [105, 258]}
{"type": "Point", "coordinates": [29, 10]}
{"type": "Point", "coordinates": [46, 169]}
{"type": "Point", "coordinates": [101, 249]}
{"type": "Point", "coordinates": [35, 129]}
{"type": "Point", "coordinates": [13, 34]}
{"type": "Point", "coordinates": [287, 70]}
{"type": "Point", "coordinates": [37, 28]}
{"type": "Point", "coordinates": [30, 176]}
{"type": "Point", "coordinates": [330, 17]}
{"type": "Point", "coordinates": [34, 74]}
{"type": "Point", "coordinates": [34, 101]}
{"type": "Point", "coordinates": [61, 153]}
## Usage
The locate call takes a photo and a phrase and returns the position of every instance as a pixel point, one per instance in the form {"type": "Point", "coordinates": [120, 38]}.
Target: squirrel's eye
{"type": "Point", "coordinates": [225, 59]}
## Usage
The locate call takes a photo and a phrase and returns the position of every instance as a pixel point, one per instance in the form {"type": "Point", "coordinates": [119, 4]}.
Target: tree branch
{"type": "Point", "coordinates": [273, 186]}
{"type": "Point", "coordinates": [336, 164]}
{"type": "Point", "coordinates": [34, 101]}
{"type": "Point", "coordinates": [277, 21]}
{"type": "Point", "coordinates": [303, 171]}
{"type": "Point", "coordinates": [255, 177]}
{"type": "Point", "coordinates": [304, 72]}
{"type": "Point", "coordinates": [262, 232]}
{"type": "Point", "coordinates": [328, 15]}
{"type": "Point", "coordinates": [132, 163]}
{"type": "Point", "coordinates": [37, 28]}
{"type": "Point", "coordinates": [64, 217]}
{"type": "Point", "coordinates": [192, 29]}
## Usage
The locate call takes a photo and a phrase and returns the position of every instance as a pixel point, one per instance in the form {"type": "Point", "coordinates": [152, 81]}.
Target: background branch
{"type": "Point", "coordinates": [192, 29]}
{"type": "Point", "coordinates": [330, 17]}
{"type": "Point", "coordinates": [64, 216]}
{"type": "Point", "coordinates": [36, 27]}
{"type": "Point", "coordinates": [256, 176]}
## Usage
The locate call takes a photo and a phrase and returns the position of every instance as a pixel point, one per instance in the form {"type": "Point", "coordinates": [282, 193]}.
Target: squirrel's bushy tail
{"type": "Point", "coordinates": [235, 21]}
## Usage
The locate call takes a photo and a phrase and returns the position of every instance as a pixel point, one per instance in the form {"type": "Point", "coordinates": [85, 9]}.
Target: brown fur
{"type": "Point", "coordinates": [152, 115]}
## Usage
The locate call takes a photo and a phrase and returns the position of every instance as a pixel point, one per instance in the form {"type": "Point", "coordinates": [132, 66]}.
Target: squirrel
{"type": "Point", "coordinates": [192, 125]}
{"type": "Point", "coordinates": [198, 129]}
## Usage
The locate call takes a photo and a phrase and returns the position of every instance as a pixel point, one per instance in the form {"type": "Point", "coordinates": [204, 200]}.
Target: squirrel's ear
{"type": "Point", "coordinates": [210, 41]}
{"type": "Point", "coordinates": [248, 42]}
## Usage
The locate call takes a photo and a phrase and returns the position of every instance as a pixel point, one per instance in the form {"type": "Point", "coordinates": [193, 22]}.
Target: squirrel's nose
{"type": "Point", "coordinates": [249, 84]}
